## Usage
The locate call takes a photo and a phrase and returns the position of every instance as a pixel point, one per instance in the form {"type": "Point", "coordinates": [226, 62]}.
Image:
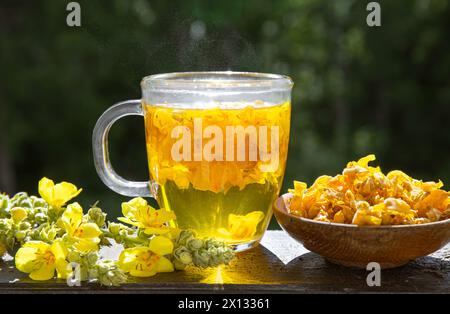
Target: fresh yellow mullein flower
{"type": "Point", "coordinates": [18, 214]}
{"type": "Point", "coordinates": [40, 260]}
{"type": "Point", "coordinates": [57, 195]}
{"type": "Point", "coordinates": [149, 260]}
{"type": "Point", "coordinates": [242, 226]}
{"type": "Point", "coordinates": [83, 235]}
{"type": "Point", "coordinates": [154, 221]}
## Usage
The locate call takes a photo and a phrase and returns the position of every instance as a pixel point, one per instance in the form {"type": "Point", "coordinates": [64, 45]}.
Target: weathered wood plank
{"type": "Point", "coordinates": [279, 265]}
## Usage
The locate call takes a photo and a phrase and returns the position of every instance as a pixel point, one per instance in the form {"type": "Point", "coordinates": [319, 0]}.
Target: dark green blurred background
{"type": "Point", "coordinates": [358, 89]}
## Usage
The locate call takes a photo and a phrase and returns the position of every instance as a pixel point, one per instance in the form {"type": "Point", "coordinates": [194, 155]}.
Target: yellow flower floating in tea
{"type": "Point", "coordinates": [364, 195]}
{"type": "Point", "coordinates": [242, 227]}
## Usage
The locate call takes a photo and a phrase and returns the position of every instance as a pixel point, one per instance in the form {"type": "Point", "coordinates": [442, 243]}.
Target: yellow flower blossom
{"type": "Point", "coordinates": [57, 195]}
{"type": "Point", "coordinates": [364, 195]}
{"type": "Point", "coordinates": [242, 226]}
{"type": "Point", "coordinates": [138, 213]}
{"type": "Point", "coordinates": [18, 214]}
{"type": "Point", "coordinates": [40, 260]}
{"type": "Point", "coordinates": [147, 261]}
{"type": "Point", "coordinates": [83, 235]}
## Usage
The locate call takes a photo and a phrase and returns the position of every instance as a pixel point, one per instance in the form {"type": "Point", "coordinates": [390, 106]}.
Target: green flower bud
{"type": "Point", "coordinates": [200, 253]}
{"type": "Point", "coordinates": [178, 265]}
{"type": "Point", "coordinates": [228, 256]}
{"type": "Point", "coordinates": [5, 225]}
{"type": "Point", "coordinates": [114, 228]}
{"type": "Point", "coordinates": [38, 202]}
{"type": "Point", "coordinates": [48, 233]}
{"type": "Point", "coordinates": [201, 258]}
{"type": "Point", "coordinates": [109, 274]}
{"type": "Point", "coordinates": [194, 244]}
{"type": "Point", "coordinates": [91, 258]}
{"type": "Point", "coordinates": [54, 213]}
{"type": "Point", "coordinates": [211, 243]}
{"type": "Point", "coordinates": [24, 225]}
{"type": "Point", "coordinates": [20, 199]}
{"type": "Point", "coordinates": [182, 255]}
{"type": "Point", "coordinates": [185, 236]}
{"type": "Point", "coordinates": [97, 215]}
{"type": "Point", "coordinates": [74, 256]}
{"type": "Point", "coordinates": [20, 235]}
{"type": "Point", "coordinates": [123, 233]}
{"type": "Point", "coordinates": [40, 218]}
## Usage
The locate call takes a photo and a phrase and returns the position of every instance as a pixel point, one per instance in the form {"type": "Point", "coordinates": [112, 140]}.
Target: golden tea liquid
{"type": "Point", "coordinates": [219, 169]}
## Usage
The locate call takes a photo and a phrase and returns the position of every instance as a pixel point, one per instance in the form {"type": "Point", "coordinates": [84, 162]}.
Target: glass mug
{"type": "Point", "coordinates": [217, 145]}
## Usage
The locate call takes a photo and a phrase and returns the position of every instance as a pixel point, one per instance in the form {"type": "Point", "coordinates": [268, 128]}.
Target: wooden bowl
{"type": "Point", "coordinates": [356, 246]}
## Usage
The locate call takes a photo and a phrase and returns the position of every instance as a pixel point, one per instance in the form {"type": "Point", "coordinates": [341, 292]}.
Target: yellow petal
{"type": "Point", "coordinates": [162, 216]}
{"type": "Point", "coordinates": [64, 192]}
{"type": "Point", "coordinates": [255, 217]}
{"type": "Point", "coordinates": [299, 188]}
{"type": "Point", "coordinates": [130, 222]}
{"type": "Point", "coordinates": [164, 266]}
{"type": "Point", "coordinates": [46, 189]}
{"type": "Point", "coordinates": [161, 245]}
{"type": "Point", "coordinates": [72, 217]}
{"type": "Point", "coordinates": [145, 215]}
{"type": "Point", "coordinates": [339, 217]}
{"type": "Point", "coordinates": [244, 226]}
{"type": "Point", "coordinates": [46, 272]}
{"type": "Point", "coordinates": [25, 259]}
{"type": "Point", "coordinates": [61, 267]}
{"type": "Point", "coordinates": [129, 208]}
{"type": "Point", "coordinates": [58, 249]}
{"type": "Point", "coordinates": [128, 258]}
{"type": "Point", "coordinates": [436, 199]}
{"type": "Point", "coordinates": [89, 230]}
{"type": "Point", "coordinates": [86, 245]}
{"type": "Point", "coordinates": [364, 161]}
{"type": "Point", "coordinates": [39, 245]}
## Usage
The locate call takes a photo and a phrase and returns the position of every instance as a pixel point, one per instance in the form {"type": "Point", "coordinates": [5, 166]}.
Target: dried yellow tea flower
{"type": "Point", "coordinates": [364, 195]}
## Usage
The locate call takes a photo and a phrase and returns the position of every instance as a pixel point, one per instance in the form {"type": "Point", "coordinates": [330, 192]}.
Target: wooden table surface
{"type": "Point", "coordinates": [278, 265]}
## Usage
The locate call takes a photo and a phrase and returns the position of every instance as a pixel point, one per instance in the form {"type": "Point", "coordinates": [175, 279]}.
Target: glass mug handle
{"type": "Point", "coordinates": [101, 154]}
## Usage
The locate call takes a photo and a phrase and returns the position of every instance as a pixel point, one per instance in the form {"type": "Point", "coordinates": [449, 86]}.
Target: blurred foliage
{"type": "Point", "coordinates": [358, 89]}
